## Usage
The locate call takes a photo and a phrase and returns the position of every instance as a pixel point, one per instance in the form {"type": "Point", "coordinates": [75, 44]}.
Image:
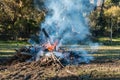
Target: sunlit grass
{"type": "Point", "coordinates": [106, 54]}
{"type": "Point", "coordinates": [102, 52]}
{"type": "Point", "coordinates": [7, 48]}
{"type": "Point", "coordinates": [13, 42]}
{"type": "Point", "coordinates": [110, 51]}
{"type": "Point", "coordinates": [107, 41]}
{"type": "Point", "coordinates": [4, 56]}
{"type": "Point", "coordinates": [108, 38]}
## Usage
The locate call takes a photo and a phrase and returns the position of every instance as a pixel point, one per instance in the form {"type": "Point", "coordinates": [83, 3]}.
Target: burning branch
{"type": "Point", "coordinates": [49, 46]}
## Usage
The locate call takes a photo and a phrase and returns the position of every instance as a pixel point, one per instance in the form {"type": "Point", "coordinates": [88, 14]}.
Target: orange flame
{"type": "Point", "coordinates": [51, 47]}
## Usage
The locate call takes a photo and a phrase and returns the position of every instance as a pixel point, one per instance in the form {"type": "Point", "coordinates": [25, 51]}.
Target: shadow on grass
{"type": "Point", "coordinates": [109, 50]}
{"type": "Point", "coordinates": [4, 60]}
{"type": "Point", "coordinates": [5, 57]}
{"type": "Point", "coordinates": [105, 56]}
{"type": "Point", "coordinates": [7, 53]}
{"type": "Point", "coordinates": [107, 42]}
{"type": "Point", "coordinates": [100, 59]}
{"type": "Point", "coordinates": [83, 77]}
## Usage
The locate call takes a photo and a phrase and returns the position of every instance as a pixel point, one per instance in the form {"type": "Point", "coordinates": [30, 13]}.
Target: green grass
{"type": "Point", "coordinates": [7, 48]}
{"type": "Point", "coordinates": [106, 41]}
{"type": "Point", "coordinates": [104, 52]}
{"type": "Point", "coordinates": [13, 42]}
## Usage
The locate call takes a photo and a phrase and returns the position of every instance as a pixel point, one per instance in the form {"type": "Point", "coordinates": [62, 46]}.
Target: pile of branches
{"type": "Point", "coordinates": [22, 56]}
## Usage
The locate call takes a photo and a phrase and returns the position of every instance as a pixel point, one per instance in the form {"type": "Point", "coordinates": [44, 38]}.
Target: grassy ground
{"type": "Point", "coordinates": [107, 41]}
{"type": "Point", "coordinates": [106, 64]}
{"type": "Point", "coordinates": [7, 48]}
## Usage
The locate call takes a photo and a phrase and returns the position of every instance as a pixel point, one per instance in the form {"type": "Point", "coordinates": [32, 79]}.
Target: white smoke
{"type": "Point", "coordinates": [67, 22]}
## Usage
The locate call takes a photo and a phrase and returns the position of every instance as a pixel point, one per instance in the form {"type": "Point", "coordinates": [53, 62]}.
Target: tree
{"type": "Point", "coordinates": [19, 17]}
{"type": "Point", "coordinates": [113, 18]}
{"type": "Point", "coordinates": [104, 17]}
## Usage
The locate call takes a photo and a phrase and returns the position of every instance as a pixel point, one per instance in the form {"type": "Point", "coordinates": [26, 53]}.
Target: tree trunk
{"type": "Point", "coordinates": [111, 32]}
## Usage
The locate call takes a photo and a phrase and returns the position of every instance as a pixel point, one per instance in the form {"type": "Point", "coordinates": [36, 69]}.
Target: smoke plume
{"type": "Point", "coordinates": [67, 22]}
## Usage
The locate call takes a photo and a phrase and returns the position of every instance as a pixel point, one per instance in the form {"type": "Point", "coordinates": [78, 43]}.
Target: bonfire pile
{"type": "Point", "coordinates": [48, 53]}
{"type": "Point", "coordinates": [44, 54]}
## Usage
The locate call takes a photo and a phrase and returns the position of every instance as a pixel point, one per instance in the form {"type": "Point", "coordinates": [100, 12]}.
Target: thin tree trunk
{"type": "Point", "coordinates": [102, 11]}
{"type": "Point", "coordinates": [100, 18]}
{"type": "Point", "coordinates": [111, 32]}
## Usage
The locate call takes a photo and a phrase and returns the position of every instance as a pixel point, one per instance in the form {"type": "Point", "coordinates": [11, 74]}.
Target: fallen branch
{"type": "Point", "coordinates": [56, 60]}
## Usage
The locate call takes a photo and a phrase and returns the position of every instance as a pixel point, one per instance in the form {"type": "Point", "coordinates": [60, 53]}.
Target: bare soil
{"type": "Point", "coordinates": [15, 68]}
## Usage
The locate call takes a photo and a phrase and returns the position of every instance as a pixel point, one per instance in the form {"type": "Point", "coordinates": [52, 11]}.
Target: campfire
{"type": "Point", "coordinates": [47, 52]}
{"type": "Point", "coordinates": [49, 46]}
{"type": "Point", "coordinates": [63, 24]}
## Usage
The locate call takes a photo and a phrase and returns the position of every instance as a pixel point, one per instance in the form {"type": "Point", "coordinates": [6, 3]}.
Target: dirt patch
{"type": "Point", "coordinates": [17, 69]}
